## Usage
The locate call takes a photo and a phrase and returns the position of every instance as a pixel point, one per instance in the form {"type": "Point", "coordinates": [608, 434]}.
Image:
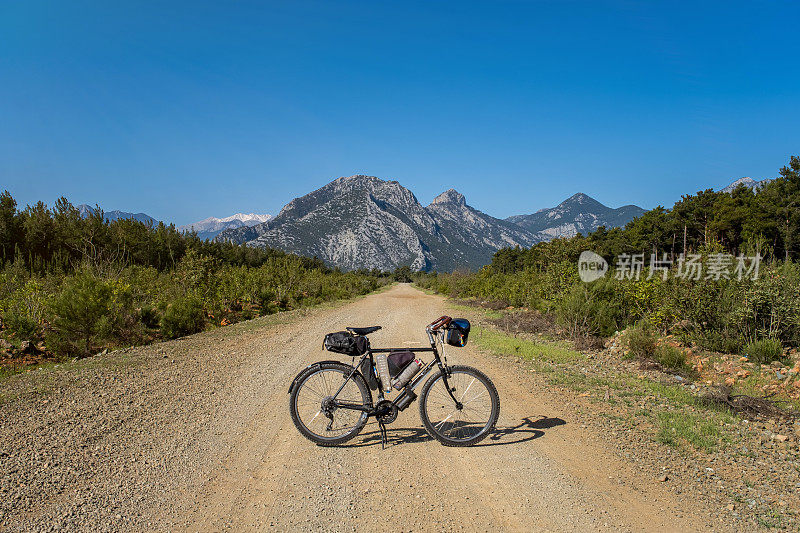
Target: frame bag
{"type": "Point", "coordinates": [368, 371]}
{"type": "Point", "coordinates": [457, 332]}
{"type": "Point", "coordinates": [399, 360]}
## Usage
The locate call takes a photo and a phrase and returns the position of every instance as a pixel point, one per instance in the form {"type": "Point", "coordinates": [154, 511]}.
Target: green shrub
{"type": "Point", "coordinates": [770, 306]}
{"type": "Point", "coordinates": [20, 324]}
{"type": "Point", "coordinates": [403, 274]}
{"type": "Point", "coordinates": [79, 310]}
{"type": "Point", "coordinates": [124, 324]}
{"type": "Point", "coordinates": [608, 310]}
{"type": "Point", "coordinates": [717, 341]}
{"type": "Point", "coordinates": [590, 309]}
{"type": "Point", "coordinates": [183, 316]}
{"type": "Point", "coordinates": [572, 311]}
{"type": "Point", "coordinates": [149, 316]}
{"type": "Point", "coordinates": [670, 357]}
{"type": "Point", "coordinates": [764, 351]}
{"type": "Point", "coordinates": [641, 340]}
{"type": "Point", "coordinates": [23, 304]}
{"type": "Point", "coordinates": [265, 298]}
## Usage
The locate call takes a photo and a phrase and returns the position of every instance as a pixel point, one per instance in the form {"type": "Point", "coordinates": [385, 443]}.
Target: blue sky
{"type": "Point", "coordinates": [189, 109]}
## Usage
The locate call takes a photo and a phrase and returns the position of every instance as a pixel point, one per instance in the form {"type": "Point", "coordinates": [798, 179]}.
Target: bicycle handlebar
{"type": "Point", "coordinates": [442, 321]}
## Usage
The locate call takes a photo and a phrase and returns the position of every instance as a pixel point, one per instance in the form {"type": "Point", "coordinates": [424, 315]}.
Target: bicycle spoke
{"type": "Point", "coordinates": [314, 390]}
{"type": "Point", "coordinates": [467, 389]}
{"type": "Point", "coordinates": [308, 388]}
{"type": "Point", "coordinates": [445, 419]}
{"type": "Point", "coordinates": [475, 398]}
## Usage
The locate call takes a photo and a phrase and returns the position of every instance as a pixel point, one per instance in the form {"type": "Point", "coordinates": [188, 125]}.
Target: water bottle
{"type": "Point", "coordinates": [408, 372]}
{"type": "Point", "coordinates": [382, 362]}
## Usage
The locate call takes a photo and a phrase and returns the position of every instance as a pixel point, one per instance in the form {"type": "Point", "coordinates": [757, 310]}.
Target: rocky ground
{"type": "Point", "coordinates": [194, 434]}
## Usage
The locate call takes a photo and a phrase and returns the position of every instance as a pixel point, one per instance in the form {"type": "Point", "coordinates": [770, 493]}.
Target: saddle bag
{"type": "Point", "coordinates": [345, 343]}
{"type": "Point", "coordinates": [457, 332]}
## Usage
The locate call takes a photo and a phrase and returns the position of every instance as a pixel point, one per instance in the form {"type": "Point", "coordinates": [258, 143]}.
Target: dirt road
{"type": "Point", "coordinates": [195, 435]}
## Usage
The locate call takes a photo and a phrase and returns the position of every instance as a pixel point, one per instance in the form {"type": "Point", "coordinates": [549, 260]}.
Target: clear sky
{"type": "Point", "coordinates": [189, 109]}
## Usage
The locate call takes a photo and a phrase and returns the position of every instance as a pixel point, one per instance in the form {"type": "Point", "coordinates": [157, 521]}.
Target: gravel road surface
{"type": "Point", "coordinates": [195, 435]}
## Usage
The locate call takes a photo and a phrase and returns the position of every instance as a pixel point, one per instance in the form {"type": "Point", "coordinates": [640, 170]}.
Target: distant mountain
{"type": "Point", "coordinates": [577, 214]}
{"type": "Point", "coordinates": [746, 182]}
{"type": "Point", "coordinates": [210, 227]}
{"type": "Point", "coordinates": [85, 210]}
{"type": "Point", "coordinates": [366, 222]}
{"type": "Point", "coordinates": [459, 223]}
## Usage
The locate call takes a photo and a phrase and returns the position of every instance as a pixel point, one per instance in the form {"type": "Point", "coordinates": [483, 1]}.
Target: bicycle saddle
{"type": "Point", "coordinates": [363, 331]}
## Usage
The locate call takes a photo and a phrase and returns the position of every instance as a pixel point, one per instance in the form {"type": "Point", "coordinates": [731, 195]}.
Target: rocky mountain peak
{"type": "Point", "coordinates": [580, 199]}
{"type": "Point", "coordinates": [356, 180]}
{"type": "Point", "coordinates": [210, 227]}
{"type": "Point", "coordinates": [750, 183]}
{"type": "Point", "coordinates": [385, 190]}
{"type": "Point", "coordinates": [86, 210]}
{"type": "Point", "coordinates": [744, 181]}
{"type": "Point", "coordinates": [580, 213]}
{"type": "Point", "coordinates": [450, 196]}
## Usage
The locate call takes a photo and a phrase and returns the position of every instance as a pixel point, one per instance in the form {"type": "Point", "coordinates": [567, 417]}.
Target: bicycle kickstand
{"type": "Point", "coordinates": [384, 438]}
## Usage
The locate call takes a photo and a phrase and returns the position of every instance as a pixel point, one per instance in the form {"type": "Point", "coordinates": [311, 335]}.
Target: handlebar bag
{"type": "Point", "coordinates": [457, 332]}
{"type": "Point", "coordinates": [346, 343]}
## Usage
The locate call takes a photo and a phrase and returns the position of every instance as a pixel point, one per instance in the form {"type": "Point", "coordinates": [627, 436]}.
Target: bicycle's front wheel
{"type": "Point", "coordinates": [469, 421]}
{"type": "Point", "coordinates": [313, 410]}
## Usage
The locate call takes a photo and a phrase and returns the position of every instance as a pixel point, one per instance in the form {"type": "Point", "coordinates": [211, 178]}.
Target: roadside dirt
{"type": "Point", "coordinates": [195, 435]}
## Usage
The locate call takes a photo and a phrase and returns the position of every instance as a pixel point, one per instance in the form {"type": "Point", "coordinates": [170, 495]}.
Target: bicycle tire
{"type": "Point", "coordinates": [436, 429]}
{"type": "Point", "coordinates": [302, 385]}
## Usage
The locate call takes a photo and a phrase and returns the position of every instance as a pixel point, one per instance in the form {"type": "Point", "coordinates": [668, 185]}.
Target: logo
{"type": "Point", "coordinates": [591, 266]}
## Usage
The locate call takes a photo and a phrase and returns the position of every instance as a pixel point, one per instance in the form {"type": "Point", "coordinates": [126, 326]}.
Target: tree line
{"type": "Point", "coordinates": [717, 313]}
{"type": "Point", "coordinates": [72, 284]}
{"type": "Point", "coordinates": [743, 221]}
{"type": "Point", "coordinates": [44, 239]}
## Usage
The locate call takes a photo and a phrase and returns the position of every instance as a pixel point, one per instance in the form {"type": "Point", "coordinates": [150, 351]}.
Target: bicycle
{"type": "Point", "coordinates": [330, 402]}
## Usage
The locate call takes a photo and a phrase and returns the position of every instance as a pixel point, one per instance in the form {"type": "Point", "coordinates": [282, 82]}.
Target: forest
{"type": "Point", "coordinates": [757, 314]}
{"type": "Point", "coordinates": [71, 285]}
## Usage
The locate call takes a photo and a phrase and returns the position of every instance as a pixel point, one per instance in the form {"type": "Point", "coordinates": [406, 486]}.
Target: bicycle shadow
{"type": "Point", "coordinates": [526, 430]}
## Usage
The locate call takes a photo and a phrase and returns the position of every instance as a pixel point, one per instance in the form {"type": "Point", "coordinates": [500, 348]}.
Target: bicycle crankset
{"type": "Point", "coordinates": [386, 412]}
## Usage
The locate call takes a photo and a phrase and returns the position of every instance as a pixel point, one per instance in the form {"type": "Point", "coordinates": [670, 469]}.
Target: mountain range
{"type": "Point", "coordinates": [210, 227]}
{"type": "Point", "coordinates": [86, 210]}
{"type": "Point", "coordinates": [577, 214]}
{"type": "Point", "coordinates": [366, 222]}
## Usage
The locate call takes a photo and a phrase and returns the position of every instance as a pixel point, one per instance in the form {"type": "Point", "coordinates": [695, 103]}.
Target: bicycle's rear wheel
{"type": "Point", "coordinates": [474, 421]}
{"type": "Point", "coordinates": [323, 425]}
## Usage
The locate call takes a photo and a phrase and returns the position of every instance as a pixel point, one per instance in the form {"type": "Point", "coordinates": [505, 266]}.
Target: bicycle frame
{"type": "Point", "coordinates": [407, 395]}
